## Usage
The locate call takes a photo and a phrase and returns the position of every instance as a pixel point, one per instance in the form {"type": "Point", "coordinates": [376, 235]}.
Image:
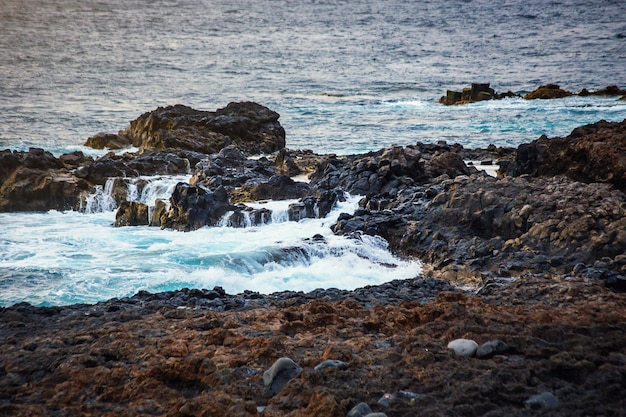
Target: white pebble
{"type": "Point", "coordinates": [463, 347]}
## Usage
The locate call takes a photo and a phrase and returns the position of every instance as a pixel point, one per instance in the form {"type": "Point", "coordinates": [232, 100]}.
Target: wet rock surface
{"type": "Point", "coordinates": [205, 352]}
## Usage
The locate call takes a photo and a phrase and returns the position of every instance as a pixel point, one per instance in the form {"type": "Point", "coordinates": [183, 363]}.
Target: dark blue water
{"type": "Point", "coordinates": [346, 76]}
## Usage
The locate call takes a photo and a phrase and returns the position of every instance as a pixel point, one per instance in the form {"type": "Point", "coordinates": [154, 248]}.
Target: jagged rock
{"type": "Point", "coordinates": [137, 164]}
{"type": "Point", "coordinates": [192, 207]}
{"type": "Point", "coordinates": [285, 165]}
{"type": "Point", "coordinates": [591, 153]}
{"type": "Point", "coordinates": [611, 90]}
{"type": "Point", "coordinates": [490, 349]}
{"type": "Point", "coordinates": [108, 141]}
{"type": "Point", "coordinates": [251, 127]}
{"type": "Point", "coordinates": [278, 187]}
{"type": "Point", "coordinates": [384, 171]}
{"type": "Point", "coordinates": [477, 92]}
{"type": "Point", "coordinates": [37, 181]}
{"type": "Point", "coordinates": [158, 213]}
{"type": "Point", "coordinates": [131, 213]}
{"type": "Point", "coordinates": [229, 168]}
{"type": "Point", "coordinates": [548, 91]}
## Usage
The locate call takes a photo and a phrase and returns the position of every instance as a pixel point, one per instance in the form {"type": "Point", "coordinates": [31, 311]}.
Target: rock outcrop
{"type": "Point", "coordinates": [192, 207]}
{"type": "Point", "coordinates": [548, 91]}
{"type": "Point", "coordinates": [481, 92]}
{"type": "Point", "coordinates": [252, 127]}
{"type": "Point", "coordinates": [477, 92]}
{"type": "Point", "coordinates": [591, 153]}
{"type": "Point", "coordinates": [38, 181]}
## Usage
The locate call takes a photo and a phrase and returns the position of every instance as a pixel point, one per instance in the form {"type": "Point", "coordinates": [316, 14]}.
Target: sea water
{"type": "Point", "coordinates": [345, 76]}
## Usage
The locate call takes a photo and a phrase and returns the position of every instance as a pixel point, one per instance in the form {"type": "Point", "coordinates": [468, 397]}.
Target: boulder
{"type": "Point", "coordinates": [548, 91]}
{"type": "Point", "coordinates": [131, 213]}
{"type": "Point", "coordinates": [279, 374]}
{"type": "Point", "coordinates": [192, 207]}
{"type": "Point", "coordinates": [470, 225]}
{"type": "Point", "coordinates": [252, 127]}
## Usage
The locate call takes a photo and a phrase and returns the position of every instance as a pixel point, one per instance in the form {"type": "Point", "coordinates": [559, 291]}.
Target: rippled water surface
{"type": "Point", "coordinates": [346, 76]}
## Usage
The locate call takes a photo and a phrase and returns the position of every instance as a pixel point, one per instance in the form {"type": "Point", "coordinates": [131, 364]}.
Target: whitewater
{"type": "Point", "coordinates": [346, 77]}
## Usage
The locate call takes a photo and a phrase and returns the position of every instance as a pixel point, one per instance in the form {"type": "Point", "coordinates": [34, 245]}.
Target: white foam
{"type": "Point", "coordinates": [61, 258]}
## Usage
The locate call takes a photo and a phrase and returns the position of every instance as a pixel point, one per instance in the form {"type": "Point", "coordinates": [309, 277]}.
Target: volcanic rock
{"type": "Point", "coordinates": [38, 181]}
{"type": "Point", "coordinates": [611, 90]}
{"type": "Point", "coordinates": [192, 207]}
{"type": "Point", "coordinates": [591, 153]}
{"type": "Point", "coordinates": [230, 168]}
{"type": "Point", "coordinates": [205, 351]}
{"type": "Point", "coordinates": [251, 127]}
{"type": "Point", "coordinates": [108, 141]}
{"type": "Point", "coordinates": [132, 213]}
{"type": "Point", "coordinates": [278, 187]}
{"type": "Point", "coordinates": [548, 91]}
{"type": "Point", "coordinates": [477, 92]}
{"type": "Point", "coordinates": [138, 164]}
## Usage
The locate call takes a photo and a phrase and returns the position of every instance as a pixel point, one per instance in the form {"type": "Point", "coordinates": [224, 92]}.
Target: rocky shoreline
{"type": "Point", "coordinates": [528, 266]}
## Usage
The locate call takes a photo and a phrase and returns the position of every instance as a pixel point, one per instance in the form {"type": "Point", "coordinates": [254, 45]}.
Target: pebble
{"type": "Point", "coordinates": [386, 400]}
{"type": "Point", "coordinates": [544, 401]}
{"type": "Point", "coordinates": [463, 347]}
{"type": "Point", "coordinates": [331, 363]}
{"type": "Point", "coordinates": [277, 376]}
{"type": "Point", "coordinates": [360, 410]}
{"type": "Point", "coordinates": [490, 349]}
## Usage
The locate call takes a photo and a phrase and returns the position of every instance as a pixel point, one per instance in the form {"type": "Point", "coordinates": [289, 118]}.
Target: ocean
{"type": "Point", "coordinates": [345, 76]}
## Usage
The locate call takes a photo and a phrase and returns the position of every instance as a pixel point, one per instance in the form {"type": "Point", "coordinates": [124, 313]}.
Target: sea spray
{"type": "Point", "coordinates": [44, 261]}
{"type": "Point", "coordinates": [144, 189]}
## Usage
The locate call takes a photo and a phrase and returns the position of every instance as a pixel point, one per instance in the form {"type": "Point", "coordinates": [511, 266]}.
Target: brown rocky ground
{"type": "Point", "coordinates": [171, 355]}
